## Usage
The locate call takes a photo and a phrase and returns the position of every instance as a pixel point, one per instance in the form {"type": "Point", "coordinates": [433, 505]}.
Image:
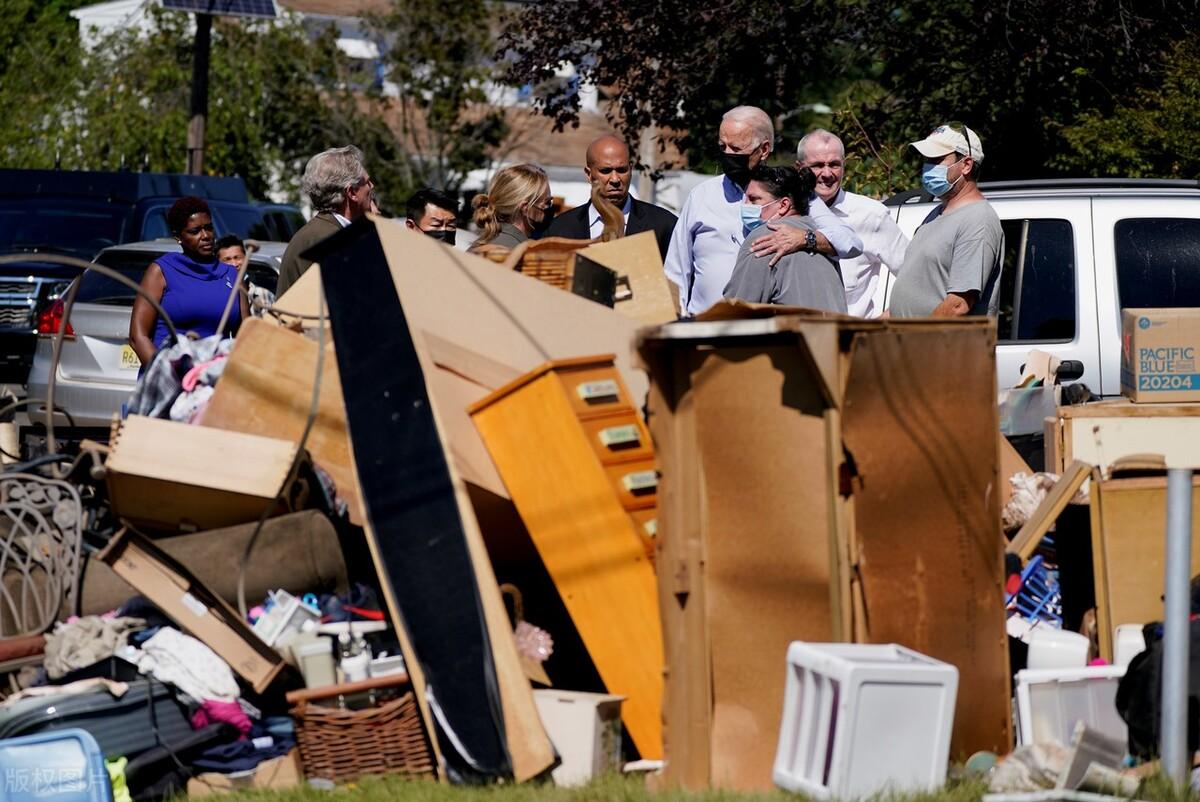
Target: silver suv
{"type": "Point", "coordinates": [1077, 252]}
{"type": "Point", "coordinates": [98, 369]}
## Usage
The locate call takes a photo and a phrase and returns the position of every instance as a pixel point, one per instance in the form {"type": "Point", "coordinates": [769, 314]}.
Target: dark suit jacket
{"type": "Point", "coordinates": [292, 266]}
{"type": "Point", "coordinates": [642, 217]}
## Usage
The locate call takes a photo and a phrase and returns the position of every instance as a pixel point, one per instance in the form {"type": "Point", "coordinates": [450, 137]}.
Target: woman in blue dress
{"type": "Point", "coordinates": [192, 287]}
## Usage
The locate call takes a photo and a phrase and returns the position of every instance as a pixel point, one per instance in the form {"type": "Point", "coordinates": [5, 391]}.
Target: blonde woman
{"type": "Point", "coordinates": [516, 207]}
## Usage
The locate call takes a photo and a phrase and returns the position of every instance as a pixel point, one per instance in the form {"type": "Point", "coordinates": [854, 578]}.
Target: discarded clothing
{"type": "Point", "coordinates": [242, 755]}
{"type": "Point", "coordinates": [116, 776]}
{"type": "Point", "coordinates": [86, 641]}
{"type": "Point", "coordinates": [189, 665]}
{"type": "Point", "coordinates": [162, 382]}
{"type": "Point", "coordinates": [213, 712]}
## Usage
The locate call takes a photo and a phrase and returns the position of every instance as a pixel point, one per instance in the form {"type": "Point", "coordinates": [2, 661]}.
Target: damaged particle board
{"type": "Point", "coordinates": [267, 386]}
{"type": "Point", "coordinates": [1026, 541]}
{"type": "Point", "coordinates": [579, 465]}
{"type": "Point", "coordinates": [167, 475]}
{"type": "Point", "coordinates": [1129, 522]}
{"type": "Point", "coordinates": [1102, 433]}
{"type": "Point", "coordinates": [637, 261]}
{"type": "Point", "coordinates": [191, 605]}
{"type": "Point", "coordinates": [749, 562]}
{"type": "Point", "coordinates": [428, 551]}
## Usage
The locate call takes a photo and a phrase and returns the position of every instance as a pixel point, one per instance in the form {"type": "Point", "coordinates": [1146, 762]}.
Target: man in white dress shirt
{"type": "Point", "coordinates": [709, 233]}
{"type": "Point", "coordinates": [883, 241]}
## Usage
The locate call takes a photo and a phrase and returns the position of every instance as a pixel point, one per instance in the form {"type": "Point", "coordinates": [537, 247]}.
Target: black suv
{"type": "Point", "coordinates": [80, 213]}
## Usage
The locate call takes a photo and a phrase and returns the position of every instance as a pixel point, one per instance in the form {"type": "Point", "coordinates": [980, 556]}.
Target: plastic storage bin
{"type": "Point", "coordinates": [585, 728]}
{"type": "Point", "coordinates": [1051, 701]}
{"type": "Point", "coordinates": [63, 766]}
{"type": "Point", "coordinates": [859, 719]}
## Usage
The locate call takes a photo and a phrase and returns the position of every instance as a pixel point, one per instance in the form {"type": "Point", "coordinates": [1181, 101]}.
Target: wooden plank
{"type": "Point", "coordinates": [926, 511]}
{"type": "Point", "coordinates": [1026, 541]}
{"type": "Point", "coordinates": [424, 537]}
{"type": "Point", "coordinates": [637, 258]}
{"type": "Point", "coordinates": [267, 387]}
{"type": "Point", "coordinates": [586, 539]}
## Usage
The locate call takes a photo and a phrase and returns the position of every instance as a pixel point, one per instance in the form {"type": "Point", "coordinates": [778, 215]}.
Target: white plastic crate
{"type": "Point", "coordinates": [863, 718]}
{"type": "Point", "coordinates": [1050, 702]}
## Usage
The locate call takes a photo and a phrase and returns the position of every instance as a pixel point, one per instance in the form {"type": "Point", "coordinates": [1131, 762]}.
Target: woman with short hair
{"type": "Point", "coordinates": [517, 206]}
{"type": "Point", "coordinates": [193, 287]}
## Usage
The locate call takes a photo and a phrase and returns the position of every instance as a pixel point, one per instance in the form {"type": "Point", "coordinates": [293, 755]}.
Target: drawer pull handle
{"type": "Point", "coordinates": [620, 436]}
{"type": "Point", "coordinates": [598, 391]}
{"type": "Point", "coordinates": [640, 482]}
{"type": "Point", "coordinates": [651, 527]}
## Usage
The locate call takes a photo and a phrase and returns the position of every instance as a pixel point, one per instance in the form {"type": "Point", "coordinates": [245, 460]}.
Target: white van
{"type": "Point", "coordinates": [1076, 252]}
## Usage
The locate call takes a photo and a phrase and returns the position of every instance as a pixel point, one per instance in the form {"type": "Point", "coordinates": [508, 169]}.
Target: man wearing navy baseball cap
{"type": "Point", "coordinates": [952, 266]}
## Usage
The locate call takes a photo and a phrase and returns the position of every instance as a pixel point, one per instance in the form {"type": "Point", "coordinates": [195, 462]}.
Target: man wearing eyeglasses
{"type": "Point", "coordinates": [883, 241]}
{"type": "Point", "coordinates": [711, 227]}
{"type": "Point", "coordinates": [340, 189]}
{"type": "Point", "coordinates": [952, 266]}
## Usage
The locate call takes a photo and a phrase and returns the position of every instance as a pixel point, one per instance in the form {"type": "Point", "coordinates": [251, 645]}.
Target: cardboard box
{"type": "Point", "coordinates": [276, 774]}
{"type": "Point", "coordinates": [1159, 351]}
{"type": "Point", "coordinates": [824, 479]}
{"type": "Point", "coordinates": [192, 606]}
{"type": "Point", "coordinates": [167, 475]}
{"type": "Point", "coordinates": [585, 729]}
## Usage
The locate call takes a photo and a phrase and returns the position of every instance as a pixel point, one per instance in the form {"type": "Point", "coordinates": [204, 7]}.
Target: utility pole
{"type": "Point", "coordinates": [195, 133]}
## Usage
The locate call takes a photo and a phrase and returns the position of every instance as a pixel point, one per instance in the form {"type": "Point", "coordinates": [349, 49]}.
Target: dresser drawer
{"type": "Point", "coordinates": [595, 391]}
{"type": "Point", "coordinates": [645, 521]}
{"type": "Point", "coordinates": [635, 483]}
{"type": "Point", "coordinates": [618, 438]}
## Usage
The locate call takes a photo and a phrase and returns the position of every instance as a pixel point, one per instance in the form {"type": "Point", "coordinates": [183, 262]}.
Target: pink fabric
{"type": "Point", "coordinates": [193, 376]}
{"type": "Point", "coordinates": [214, 712]}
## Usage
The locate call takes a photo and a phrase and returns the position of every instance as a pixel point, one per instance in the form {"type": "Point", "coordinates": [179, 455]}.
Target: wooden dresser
{"type": "Point", "coordinates": [578, 462]}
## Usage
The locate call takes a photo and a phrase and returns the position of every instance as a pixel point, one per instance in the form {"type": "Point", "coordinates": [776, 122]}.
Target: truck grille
{"type": "Point", "coordinates": [16, 317]}
{"type": "Point", "coordinates": [27, 289]}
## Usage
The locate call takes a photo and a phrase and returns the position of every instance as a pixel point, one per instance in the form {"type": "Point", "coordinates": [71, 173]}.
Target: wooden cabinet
{"type": "Point", "coordinates": [579, 465]}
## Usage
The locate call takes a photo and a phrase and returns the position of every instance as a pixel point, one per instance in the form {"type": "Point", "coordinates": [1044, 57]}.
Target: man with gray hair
{"type": "Point", "coordinates": [883, 241]}
{"type": "Point", "coordinates": [340, 189]}
{"type": "Point", "coordinates": [712, 226]}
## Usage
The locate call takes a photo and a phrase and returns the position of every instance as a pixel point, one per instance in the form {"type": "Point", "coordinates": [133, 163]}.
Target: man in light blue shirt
{"type": "Point", "coordinates": [709, 233]}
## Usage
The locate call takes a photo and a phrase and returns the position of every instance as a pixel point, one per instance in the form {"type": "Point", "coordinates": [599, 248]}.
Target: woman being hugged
{"type": "Point", "coordinates": [517, 206]}
{"type": "Point", "coordinates": [192, 287]}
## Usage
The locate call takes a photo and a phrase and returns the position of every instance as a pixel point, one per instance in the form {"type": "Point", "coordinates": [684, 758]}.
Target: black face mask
{"type": "Point", "coordinates": [539, 228]}
{"type": "Point", "coordinates": [736, 166]}
{"type": "Point", "coordinates": [447, 235]}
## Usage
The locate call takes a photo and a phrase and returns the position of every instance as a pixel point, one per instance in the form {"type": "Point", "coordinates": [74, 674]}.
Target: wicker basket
{"type": "Point", "coordinates": [343, 745]}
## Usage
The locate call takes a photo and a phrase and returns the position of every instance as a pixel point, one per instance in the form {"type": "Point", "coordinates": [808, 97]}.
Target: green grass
{"type": "Point", "coordinates": [609, 789]}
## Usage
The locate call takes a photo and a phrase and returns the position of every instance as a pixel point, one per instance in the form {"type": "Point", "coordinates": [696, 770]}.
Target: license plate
{"type": "Point", "coordinates": [129, 358]}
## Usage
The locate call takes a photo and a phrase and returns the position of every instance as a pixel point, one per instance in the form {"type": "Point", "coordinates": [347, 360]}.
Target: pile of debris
{"type": "Point", "coordinates": [485, 522]}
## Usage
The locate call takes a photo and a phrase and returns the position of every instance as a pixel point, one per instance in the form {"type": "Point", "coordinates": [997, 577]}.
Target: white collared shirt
{"type": "Point", "coordinates": [342, 221]}
{"type": "Point", "coordinates": [596, 225]}
{"type": "Point", "coordinates": [883, 244]}
{"type": "Point", "coordinates": [709, 234]}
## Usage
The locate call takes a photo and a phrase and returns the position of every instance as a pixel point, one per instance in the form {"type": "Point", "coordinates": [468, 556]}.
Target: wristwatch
{"type": "Point", "coordinates": [810, 241]}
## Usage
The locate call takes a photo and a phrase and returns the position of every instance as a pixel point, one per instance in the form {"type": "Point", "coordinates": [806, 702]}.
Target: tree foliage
{"type": "Point", "coordinates": [1021, 72]}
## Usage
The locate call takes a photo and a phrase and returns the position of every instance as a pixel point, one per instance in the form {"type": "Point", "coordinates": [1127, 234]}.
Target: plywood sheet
{"type": "Point", "coordinates": [759, 425]}
{"type": "Point", "coordinates": [428, 550]}
{"type": "Point", "coordinates": [637, 258]}
{"type": "Point", "coordinates": [267, 387]}
{"type": "Point", "coordinates": [926, 511]}
{"type": "Point", "coordinates": [1129, 525]}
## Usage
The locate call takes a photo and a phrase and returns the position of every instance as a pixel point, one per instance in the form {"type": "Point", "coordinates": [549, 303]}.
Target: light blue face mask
{"type": "Point", "coordinates": [752, 215]}
{"type": "Point", "coordinates": [933, 178]}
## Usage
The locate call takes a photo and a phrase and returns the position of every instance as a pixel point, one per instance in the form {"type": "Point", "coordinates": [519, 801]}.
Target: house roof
{"type": "Point", "coordinates": [337, 8]}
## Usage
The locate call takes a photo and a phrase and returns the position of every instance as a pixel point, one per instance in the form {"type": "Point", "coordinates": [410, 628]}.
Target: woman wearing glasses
{"type": "Point", "coordinates": [193, 287]}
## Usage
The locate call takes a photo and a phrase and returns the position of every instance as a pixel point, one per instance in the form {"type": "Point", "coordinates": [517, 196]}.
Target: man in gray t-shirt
{"type": "Point", "coordinates": [952, 266]}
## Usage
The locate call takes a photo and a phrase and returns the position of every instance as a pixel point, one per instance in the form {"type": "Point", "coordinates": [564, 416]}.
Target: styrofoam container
{"type": "Point", "coordinates": [1128, 642]}
{"type": "Point", "coordinates": [585, 729]}
{"type": "Point", "coordinates": [1057, 648]}
{"type": "Point", "coordinates": [1051, 701]}
{"type": "Point", "coordinates": [859, 719]}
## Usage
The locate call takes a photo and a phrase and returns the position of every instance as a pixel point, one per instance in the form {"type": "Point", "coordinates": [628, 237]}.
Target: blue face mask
{"type": "Point", "coordinates": [752, 215]}
{"type": "Point", "coordinates": [933, 178]}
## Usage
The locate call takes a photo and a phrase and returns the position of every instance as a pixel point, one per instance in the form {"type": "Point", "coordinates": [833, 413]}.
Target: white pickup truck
{"type": "Point", "coordinates": [1075, 253]}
